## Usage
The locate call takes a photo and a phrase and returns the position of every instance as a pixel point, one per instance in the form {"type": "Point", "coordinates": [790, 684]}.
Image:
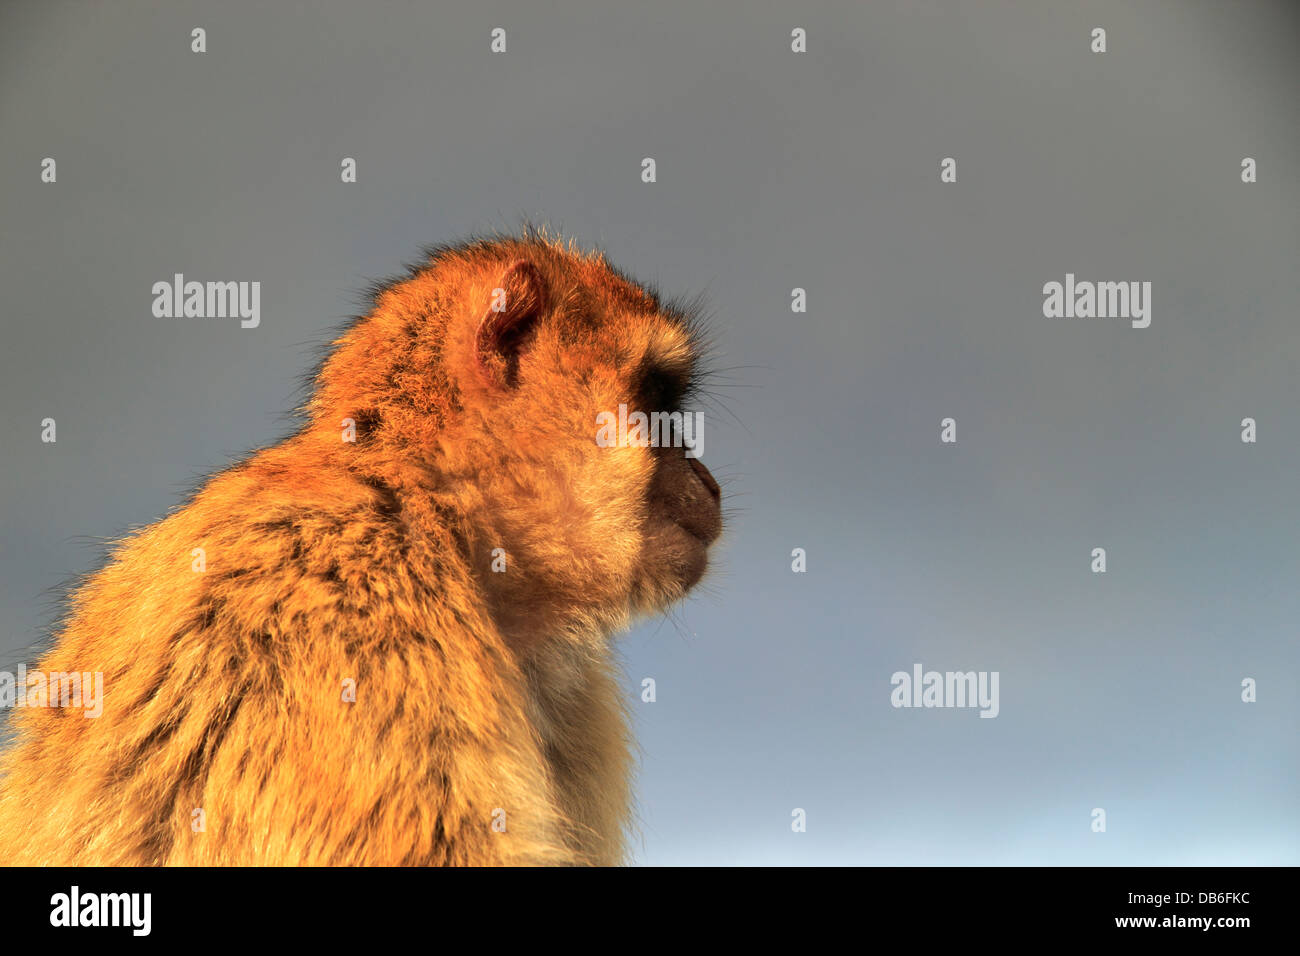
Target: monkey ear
{"type": "Point", "coordinates": [518, 301]}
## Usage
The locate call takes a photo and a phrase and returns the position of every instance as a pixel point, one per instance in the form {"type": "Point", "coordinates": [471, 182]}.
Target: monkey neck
{"type": "Point", "coordinates": [530, 608]}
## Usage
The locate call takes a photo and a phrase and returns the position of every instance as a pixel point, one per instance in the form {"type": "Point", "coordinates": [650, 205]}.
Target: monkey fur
{"type": "Point", "coordinates": [488, 725]}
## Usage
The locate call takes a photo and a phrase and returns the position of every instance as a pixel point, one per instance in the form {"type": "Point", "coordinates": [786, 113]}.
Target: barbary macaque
{"type": "Point", "coordinates": [386, 640]}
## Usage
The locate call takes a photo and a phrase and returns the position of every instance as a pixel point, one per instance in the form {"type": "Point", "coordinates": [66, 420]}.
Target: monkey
{"type": "Point", "coordinates": [388, 639]}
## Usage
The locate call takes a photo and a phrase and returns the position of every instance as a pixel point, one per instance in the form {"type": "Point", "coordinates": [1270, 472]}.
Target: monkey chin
{"type": "Point", "coordinates": [675, 557]}
{"type": "Point", "coordinates": [690, 556]}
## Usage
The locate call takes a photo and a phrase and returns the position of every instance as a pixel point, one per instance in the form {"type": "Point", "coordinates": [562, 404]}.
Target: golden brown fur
{"type": "Point", "coordinates": [477, 692]}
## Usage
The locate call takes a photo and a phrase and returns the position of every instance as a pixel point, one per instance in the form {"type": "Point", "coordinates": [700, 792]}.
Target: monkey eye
{"type": "Point", "coordinates": [662, 390]}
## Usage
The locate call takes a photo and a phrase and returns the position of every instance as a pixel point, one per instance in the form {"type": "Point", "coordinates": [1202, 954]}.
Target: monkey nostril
{"type": "Point", "coordinates": [706, 477]}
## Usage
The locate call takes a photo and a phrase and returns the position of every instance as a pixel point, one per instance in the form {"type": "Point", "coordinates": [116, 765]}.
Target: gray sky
{"type": "Point", "coordinates": [819, 170]}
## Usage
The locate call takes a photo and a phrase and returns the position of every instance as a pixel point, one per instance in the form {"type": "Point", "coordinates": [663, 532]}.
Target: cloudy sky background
{"type": "Point", "coordinates": [776, 170]}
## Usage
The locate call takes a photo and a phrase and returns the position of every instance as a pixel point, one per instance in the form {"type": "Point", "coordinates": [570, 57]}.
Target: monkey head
{"type": "Point", "coordinates": [491, 389]}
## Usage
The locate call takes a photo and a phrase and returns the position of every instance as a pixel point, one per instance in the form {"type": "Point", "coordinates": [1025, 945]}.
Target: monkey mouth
{"type": "Point", "coordinates": [697, 507]}
{"type": "Point", "coordinates": [705, 536]}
